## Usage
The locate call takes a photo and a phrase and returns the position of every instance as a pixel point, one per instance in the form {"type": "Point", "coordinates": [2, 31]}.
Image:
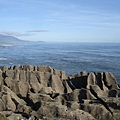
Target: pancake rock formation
{"type": "Point", "coordinates": [43, 93]}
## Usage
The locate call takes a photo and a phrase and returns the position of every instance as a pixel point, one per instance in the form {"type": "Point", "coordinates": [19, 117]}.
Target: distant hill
{"type": "Point", "coordinates": [9, 39]}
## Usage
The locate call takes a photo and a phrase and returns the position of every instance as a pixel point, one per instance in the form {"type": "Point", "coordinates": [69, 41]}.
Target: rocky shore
{"type": "Point", "coordinates": [43, 93]}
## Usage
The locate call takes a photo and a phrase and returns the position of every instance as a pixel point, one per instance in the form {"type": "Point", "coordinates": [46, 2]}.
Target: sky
{"type": "Point", "coordinates": [61, 20]}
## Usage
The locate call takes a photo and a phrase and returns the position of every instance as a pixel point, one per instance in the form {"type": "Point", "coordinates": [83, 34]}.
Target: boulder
{"type": "Point", "coordinates": [91, 79]}
{"type": "Point", "coordinates": [19, 87]}
{"type": "Point", "coordinates": [60, 74]}
{"type": "Point", "coordinates": [110, 80]}
{"type": "Point", "coordinates": [47, 90]}
{"type": "Point", "coordinates": [73, 96]}
{"type": "Point", "coordinates": [23, 109]}
{"type": "Point", "coordinates": [97, 92]}
{"type": "Point", "coordinates": [79, 95]}
{"type": "Point", "coordinates": [15, 116]}
{"type": "Point", "coordinates": [28, 67]}
{"type": "Point", "coordinates": [96, 79]}
{"type": "Point", "coordinates": [23, 75]}
{"type": "Point", "coordinates": [4, 68]}
{"type": "Point", "coordinates": [45, 69]}
{"type": "Point", "coordinates": [2, 105]}
{"type": "Point", "coordinates": [16, 67]}
{"type": "Point", "coordinates": [98, 111]}
{"type": "Point", "coordinates": [73, 105]}
{"type": "Point", "coordinates": [23, 89]}
{"type": "Point", "coordinates": [53, 110]}
{"type": "Point", "coordinates": [56, 84]}
{"type": "Point", "coordinates": [83, 73]}
{"type": "Point", "coordinates": [9, 99]}
{"type": "Point", "coordinates": [34, 83]}
{"type": "Point", "coordinates": [59, 98]}
{"type": "Point", "coordinates": [1, 77]}
{"type": "Point", "coordinates": [113, 103]}
{"type": "Point", "coordinates": [67, 88]}
{"type": "Point", "coordinates": [9, 73]}
{"type": "Point", "coordinates": [9, 104]}
{"type": "Point", "coordinates": [43, 78]}
{"type": "Point", "coordinates": [63, 75]}
{"type": "Point", "coordinates": [39, 97]}
{"type": "Point", "coordinates": [100, 81]}
{"type": "Point", "coordinates": [9, 82]}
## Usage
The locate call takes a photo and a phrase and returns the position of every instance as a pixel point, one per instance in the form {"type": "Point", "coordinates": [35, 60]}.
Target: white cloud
{"type": "Point", "coordinates": [20, 34]}
{"type": "Point", "coordinates": [17, 34]}
{"type": "Point", "coordinates": [37, 31]}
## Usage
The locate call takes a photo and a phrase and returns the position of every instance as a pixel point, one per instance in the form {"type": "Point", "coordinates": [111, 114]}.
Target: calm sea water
{"type": "Point", "coordinates": [70, 57]}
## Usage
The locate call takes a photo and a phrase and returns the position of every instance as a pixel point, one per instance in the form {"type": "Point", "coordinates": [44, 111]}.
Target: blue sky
{"type": "Point", "coordinates": [61, 20]}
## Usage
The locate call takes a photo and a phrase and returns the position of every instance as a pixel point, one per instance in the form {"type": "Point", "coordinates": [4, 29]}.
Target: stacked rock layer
{"type": "Point", "coordinates": [43, 93]}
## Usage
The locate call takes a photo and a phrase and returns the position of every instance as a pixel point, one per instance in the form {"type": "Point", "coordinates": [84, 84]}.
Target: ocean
{"type": "Point", "coordinates": [69, 57]}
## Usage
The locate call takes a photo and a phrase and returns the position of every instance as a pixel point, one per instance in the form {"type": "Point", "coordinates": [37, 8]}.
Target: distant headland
{"type": "Point", "coordinates": [4, 39]}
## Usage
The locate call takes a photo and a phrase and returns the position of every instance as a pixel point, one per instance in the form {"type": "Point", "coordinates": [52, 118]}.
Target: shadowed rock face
{"type": "Point", "coordinates": [41, 92]}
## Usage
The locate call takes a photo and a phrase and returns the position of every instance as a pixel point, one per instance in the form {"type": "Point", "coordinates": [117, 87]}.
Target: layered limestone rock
{"type": "Point", "coordinates": [44, 93]}
{"type": "Point", "coordinates": [3, 117]}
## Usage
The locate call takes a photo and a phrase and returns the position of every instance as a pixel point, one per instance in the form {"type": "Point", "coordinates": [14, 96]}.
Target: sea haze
{"type": "Point", "coordinates": [70, 57]}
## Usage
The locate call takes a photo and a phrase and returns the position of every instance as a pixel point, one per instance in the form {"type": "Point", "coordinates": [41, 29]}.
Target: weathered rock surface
{"type": "Point", "coordinates": [3, 117]}
{"type": "Point", "coordinates": [44, 93]}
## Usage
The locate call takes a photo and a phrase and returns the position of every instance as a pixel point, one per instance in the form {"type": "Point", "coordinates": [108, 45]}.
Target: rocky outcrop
{"type": "Point", "coordinates": [44, 93]}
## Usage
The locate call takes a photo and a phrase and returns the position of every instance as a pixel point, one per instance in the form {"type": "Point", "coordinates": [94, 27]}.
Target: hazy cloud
{"type": "Point", "coordinates": [37, 31]}
{"type": "Point", "coordinates": [17, 34]}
